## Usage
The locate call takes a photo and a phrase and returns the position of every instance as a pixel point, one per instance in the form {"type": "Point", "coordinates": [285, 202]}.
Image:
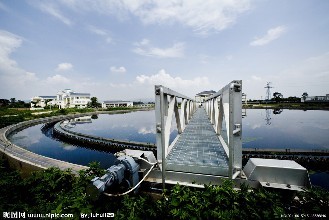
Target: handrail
{"type": "Point", "coordinates": [166, 105]}
{"type": "Point", "coordinates": [225, 108]}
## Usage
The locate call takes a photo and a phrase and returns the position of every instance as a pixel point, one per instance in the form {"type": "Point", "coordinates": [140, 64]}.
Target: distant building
{"type": "Point", "coordinates": [42, 101]}
{"type": "Point", "coordinates": [69, 99]}
{"type": "Point", "coordinates": [113, 104]}
{"type": "Point", "coordinates": [200, 97]}
{"type": "Point", "coordinates": [148, 105]}
{"type": "Point", "coordinates": [316, 98]}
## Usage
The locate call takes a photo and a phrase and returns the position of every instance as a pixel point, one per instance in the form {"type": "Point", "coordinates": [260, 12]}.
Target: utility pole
{"type": "Point", "coordinates": [268, 91]}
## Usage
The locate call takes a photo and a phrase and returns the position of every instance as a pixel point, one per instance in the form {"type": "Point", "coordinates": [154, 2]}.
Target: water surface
{"type": "Point", "coordinates": [289, 129]}
{"type": "Point", "coordinates": [261, 129]}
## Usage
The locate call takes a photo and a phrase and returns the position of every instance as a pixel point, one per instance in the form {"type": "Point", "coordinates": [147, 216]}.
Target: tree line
{"type": "Point", "coordinates": [278, 98]}
{"type": "Point", "coordinates": [13, 103]}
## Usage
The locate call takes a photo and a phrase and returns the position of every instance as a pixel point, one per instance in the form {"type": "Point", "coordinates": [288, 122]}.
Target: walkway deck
{"type": "Point", "coordinates": [198, 149]}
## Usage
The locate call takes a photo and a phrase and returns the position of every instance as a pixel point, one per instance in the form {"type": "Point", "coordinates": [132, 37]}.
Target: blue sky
{"type": "Point", "coordinates": [121, 49]}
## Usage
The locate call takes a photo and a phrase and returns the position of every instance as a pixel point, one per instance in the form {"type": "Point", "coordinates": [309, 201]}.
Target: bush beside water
{"type": "Point", "coordinates": [56, 191]}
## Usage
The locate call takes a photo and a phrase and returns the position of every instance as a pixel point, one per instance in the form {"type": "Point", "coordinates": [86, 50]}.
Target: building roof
{"type": "Point", "coordinates": [115, 102]}
{"type": "Point", "coordinates": [47, 96]}
{"type": "Point", "coordinates": [79, 94]}
{"type": "Point", "coordinates": [204, 93]}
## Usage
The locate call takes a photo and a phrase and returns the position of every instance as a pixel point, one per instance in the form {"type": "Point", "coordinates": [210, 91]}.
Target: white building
{"type": "Point", "coordinates": [43, 101]}
{"type": "Point", "coordinates": [113, 104]}
{"type": "Point", "coordinates": [69, 99]}
{"type": "Point", "coordinates": [316, 98]}
{"type": "Point", "coordinates": [200, 97]}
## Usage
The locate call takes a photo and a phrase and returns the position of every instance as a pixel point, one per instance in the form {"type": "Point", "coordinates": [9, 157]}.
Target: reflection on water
{"type": "Point", "coordinates": [136, 126]}
{"type": "Point", "coordinates": [286, 129]}
{"type": "Point", "coordinates": [320, 179]}
{"type": "Point", "coordinates": [289, 129]}
{"type": "Point", "coordinates": [268, 116]}
{"type": "Point", "coordinates": [34, 140]}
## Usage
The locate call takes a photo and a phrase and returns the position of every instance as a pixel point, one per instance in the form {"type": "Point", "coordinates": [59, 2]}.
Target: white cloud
{"type": "Point", "coordinates": [144, 130]}
{"type": "Point", "coordinates": [144, 48]}
{"type": "Point", "coordinates": [109, 40]}
{"type": "Point", "coordinates": [69, 147]}
{"type": "Point", "coordinates": [100, 32]}
{"type": "Point", "coordinates": [14, 79]}
{"type": "Point", "coordinates": [204, 59]}
{"type": "Point", "coordinates": [200, 16]}
{"type": "Point", "coordinates": [165, 79]}
{"type": "Point", "coordinates": [315, 69]}
{"type": "Point", "coordinates": [256, 78]}
{"type": "Point", "coordinates": [272, 34]}
{"type": "Point", "coordinates": [97, 31]}
{"type": "Point", "coordinates": [143, 86]}
{"type": "Point", "coordinates": [11, 72]}
{"type": "Point", "coordinates": [57, 79]}
{"type": "Point", "coordinates": [53, 10]}
{"type": "Point", "coordinates": [120, 85]}
{"type": "Point", "coordinates": [64, 67]}
{"type": "Point", "coordinates": [8, 43]}
{"type": "Point", "coordinates": [22, 84]}
{"type": "Point", "coordinates": [120, 69]}
{"type": "Point", "coordinates": [3, 7]}
{"type": "Point", "coordinates": [31, 76]}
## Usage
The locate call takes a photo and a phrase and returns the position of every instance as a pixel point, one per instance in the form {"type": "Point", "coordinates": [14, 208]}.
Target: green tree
{"type": "Point", "coordinates": [12, 101]}
{"type": "Point", "coordinates": [277, 96]}
{"type": "Point", "coordinates": [4, 102]}
{"type": "Point", "coordinates": [46, 102]}
{"type": "Point", "coordinates": [94, 103]}
{"type": "Point", "coordinates": [34, 103]}
{"type": "Point", "coordinates": [305, 95]}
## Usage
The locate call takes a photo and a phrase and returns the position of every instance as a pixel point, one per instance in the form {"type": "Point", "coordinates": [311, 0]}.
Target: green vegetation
{"type": "Point", "coordinates": [10, 116]}
{"type": "Point", "coordinates": [288, 105]}
{"type": "Point", "coordinates": [56, 191]}
{"type": "Point", "coordinates": [94, 103]}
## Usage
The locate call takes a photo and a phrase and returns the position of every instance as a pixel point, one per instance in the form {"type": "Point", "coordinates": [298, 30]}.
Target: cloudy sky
{"type": "Point", "coordinates": [119, 49]}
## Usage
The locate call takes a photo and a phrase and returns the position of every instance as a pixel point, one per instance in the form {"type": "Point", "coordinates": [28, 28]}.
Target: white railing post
{"type": "Point", "coordinates": [165, 108]}
{"type": "Point", "coordinates": [216, 114]}
{"type": "Point", "coordinates": [160, 124]}
{"type": "Point", "coordinates": [226, 105]}
{"type": "Point", "coordinates": [236, 126]}
{"type": "Point", "coordinates": [182, 114]}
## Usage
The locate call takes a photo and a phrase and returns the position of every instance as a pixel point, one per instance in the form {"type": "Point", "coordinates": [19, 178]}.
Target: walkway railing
{"type": "Point", "coordinates": [224, 109]}
{"type": "Point", "coordinates": [166, 106]}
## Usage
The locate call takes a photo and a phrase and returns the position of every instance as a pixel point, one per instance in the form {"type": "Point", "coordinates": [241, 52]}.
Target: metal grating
{"type": "Point", "coordinates": [198, 149]}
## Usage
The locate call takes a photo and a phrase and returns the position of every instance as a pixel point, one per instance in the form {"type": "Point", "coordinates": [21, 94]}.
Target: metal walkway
{"type": "Point", "coordinates": [198, 149]}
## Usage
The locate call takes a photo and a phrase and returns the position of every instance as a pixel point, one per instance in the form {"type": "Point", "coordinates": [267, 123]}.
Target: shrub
{"type": "Point", "coordinates": [57, 191]}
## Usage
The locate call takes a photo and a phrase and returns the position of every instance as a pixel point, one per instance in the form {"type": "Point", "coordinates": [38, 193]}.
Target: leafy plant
{"type": "Point", "coordinates": [58, 191]}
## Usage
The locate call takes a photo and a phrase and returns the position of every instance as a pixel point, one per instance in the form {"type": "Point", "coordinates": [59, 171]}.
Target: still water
{"type": "Point", "coordinates": [286, 129]}
{"type": "Point", "coordinates": [261, 129]}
